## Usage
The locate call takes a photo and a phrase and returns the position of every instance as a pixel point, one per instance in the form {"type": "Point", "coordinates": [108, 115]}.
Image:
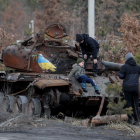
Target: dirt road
{"type": "Point", "coordinates": [54, 130]}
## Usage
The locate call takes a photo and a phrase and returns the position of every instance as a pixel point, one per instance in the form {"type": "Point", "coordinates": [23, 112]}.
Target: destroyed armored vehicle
{"type": "Point", "coordinates": [36, 83]}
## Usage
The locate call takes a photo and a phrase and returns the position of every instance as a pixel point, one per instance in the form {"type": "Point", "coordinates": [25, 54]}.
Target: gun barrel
{"type": "Point", "coordinates": [112, 66]}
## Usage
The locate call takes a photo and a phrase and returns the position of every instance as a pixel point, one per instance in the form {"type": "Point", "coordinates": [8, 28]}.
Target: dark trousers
{"type": "Point", "coordinates": [132, 100]}
{"type": "Point", "coordinates": [95, 66]}
{"type": "Point", "coordinates": [85, 79]}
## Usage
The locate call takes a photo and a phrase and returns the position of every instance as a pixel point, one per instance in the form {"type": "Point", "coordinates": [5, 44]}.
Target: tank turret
{"type": "Point", "coordinates": [24, 56]}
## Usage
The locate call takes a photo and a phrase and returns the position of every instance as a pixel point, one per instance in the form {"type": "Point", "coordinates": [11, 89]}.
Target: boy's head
{"type": "Point", "coordinates": [79, 38]}
{"type": "Point", "coordinates": [80, 62]}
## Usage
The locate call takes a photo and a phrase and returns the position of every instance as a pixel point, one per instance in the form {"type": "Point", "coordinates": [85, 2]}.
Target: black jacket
{"type": "Point", "coordinates": [89, 46]}
{"type": "Point", "coordinates": [130, 73]}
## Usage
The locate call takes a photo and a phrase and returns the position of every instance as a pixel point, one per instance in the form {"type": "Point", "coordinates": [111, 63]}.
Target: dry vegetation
{"type": "Point", "coordinates": [123, 126]}
{"type": "Point", "coordinates": [114, 48]}
{"type": "Point", "coordinates": [5, 39]}
{"type": "Point", "coordinates": [117, 22]}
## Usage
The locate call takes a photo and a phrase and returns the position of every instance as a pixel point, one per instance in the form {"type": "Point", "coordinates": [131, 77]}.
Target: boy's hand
{"type": "Point", "coordinates": [66, 79]}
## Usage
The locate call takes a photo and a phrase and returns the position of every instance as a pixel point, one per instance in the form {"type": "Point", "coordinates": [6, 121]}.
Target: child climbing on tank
{"type": "Point", "coordinates": [79, 72]}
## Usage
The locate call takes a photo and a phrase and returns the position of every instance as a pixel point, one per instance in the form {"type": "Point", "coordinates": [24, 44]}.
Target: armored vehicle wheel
{"type": "Point", "coordinates": [47, 112]}
{"type": "Point", "coordinates": [9, 104]}
{"type": "Point", "coordinates": [48, 101]}
{"type": "Point", "coordinates": [5, 105]}
{"type": "Point", "coordinates": [21, 103]}
{"type": "Point", "coordinates": [34, 107]}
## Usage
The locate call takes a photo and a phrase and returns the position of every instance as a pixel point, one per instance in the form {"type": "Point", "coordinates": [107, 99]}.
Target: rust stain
{"type": "Point", "coordinates": [113, 79]}
{"type": "Point", "coordinates": [77, 94]}
{"type": "Point", "coordinates": [56, 31]}
{"type": "Point", "coordinates": [50, 83]}
{"type": "Point", "coordinates": [72, 54]}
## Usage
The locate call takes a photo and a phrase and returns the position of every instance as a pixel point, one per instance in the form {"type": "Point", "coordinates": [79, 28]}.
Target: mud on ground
{"type": "Point", "coordinates": [14, 127]}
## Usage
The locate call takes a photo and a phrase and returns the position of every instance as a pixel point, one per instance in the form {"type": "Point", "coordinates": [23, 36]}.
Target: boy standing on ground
{"type": "Point", "coordinates": [80, 76]}
{"type": "Point", "coordinates": [130, 73]}
{"type": "Point", "coordinates": [89, 46]}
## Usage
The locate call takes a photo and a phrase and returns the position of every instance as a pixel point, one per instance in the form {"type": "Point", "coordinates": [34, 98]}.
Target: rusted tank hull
{"type": "Point", "coordinates": [52, 91]}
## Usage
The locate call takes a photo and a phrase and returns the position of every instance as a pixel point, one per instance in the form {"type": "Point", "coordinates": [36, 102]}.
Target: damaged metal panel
{"type": "Point", "coordinates": [13, 77]}
{"type": "Point", "coordinates": [50, 83]}
{"type": "Point", "coordinates": [113, 79]}
{"type": "Point", "coordinates": [15, 58]}
{"type": "Point", "coordinates": [74, 93]}
{"type": "Point", "coordinates": [72, 54]}
{"type": "Point", "coordinates": [89, 64]}
{"type": "Point", "coordinates": [56, 31]}
{"type": "Point", "coordinates": [92, 101]}
{"type": "Point", "coordinates": [120, 80]}
{"type": "Point", "coordinates": [2, 75]}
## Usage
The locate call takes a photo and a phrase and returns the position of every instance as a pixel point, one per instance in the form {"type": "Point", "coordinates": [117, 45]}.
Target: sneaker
{"type": "Point", "coordinates": [97, 91]}
{"type": "Point", "coordinates": [95, 75]}
{"type": "Point", "coordinates": [85, 90]}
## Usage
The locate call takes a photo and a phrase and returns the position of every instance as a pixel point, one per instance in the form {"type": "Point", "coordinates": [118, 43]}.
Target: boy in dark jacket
{"type": "Point", "coordinates": [80, 76]}
{"type": "Point", "coordinates": [89, 46]}
{"type": "Point", "coordinates": [130, 73]}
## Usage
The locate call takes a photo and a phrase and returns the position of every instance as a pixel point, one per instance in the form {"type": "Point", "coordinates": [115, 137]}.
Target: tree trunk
{"type": "Point", "coordinates": [107, 119]}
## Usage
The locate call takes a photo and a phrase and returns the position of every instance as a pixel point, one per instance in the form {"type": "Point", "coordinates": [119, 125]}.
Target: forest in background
{"type": "Point", "coordinates": [117, 22]}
